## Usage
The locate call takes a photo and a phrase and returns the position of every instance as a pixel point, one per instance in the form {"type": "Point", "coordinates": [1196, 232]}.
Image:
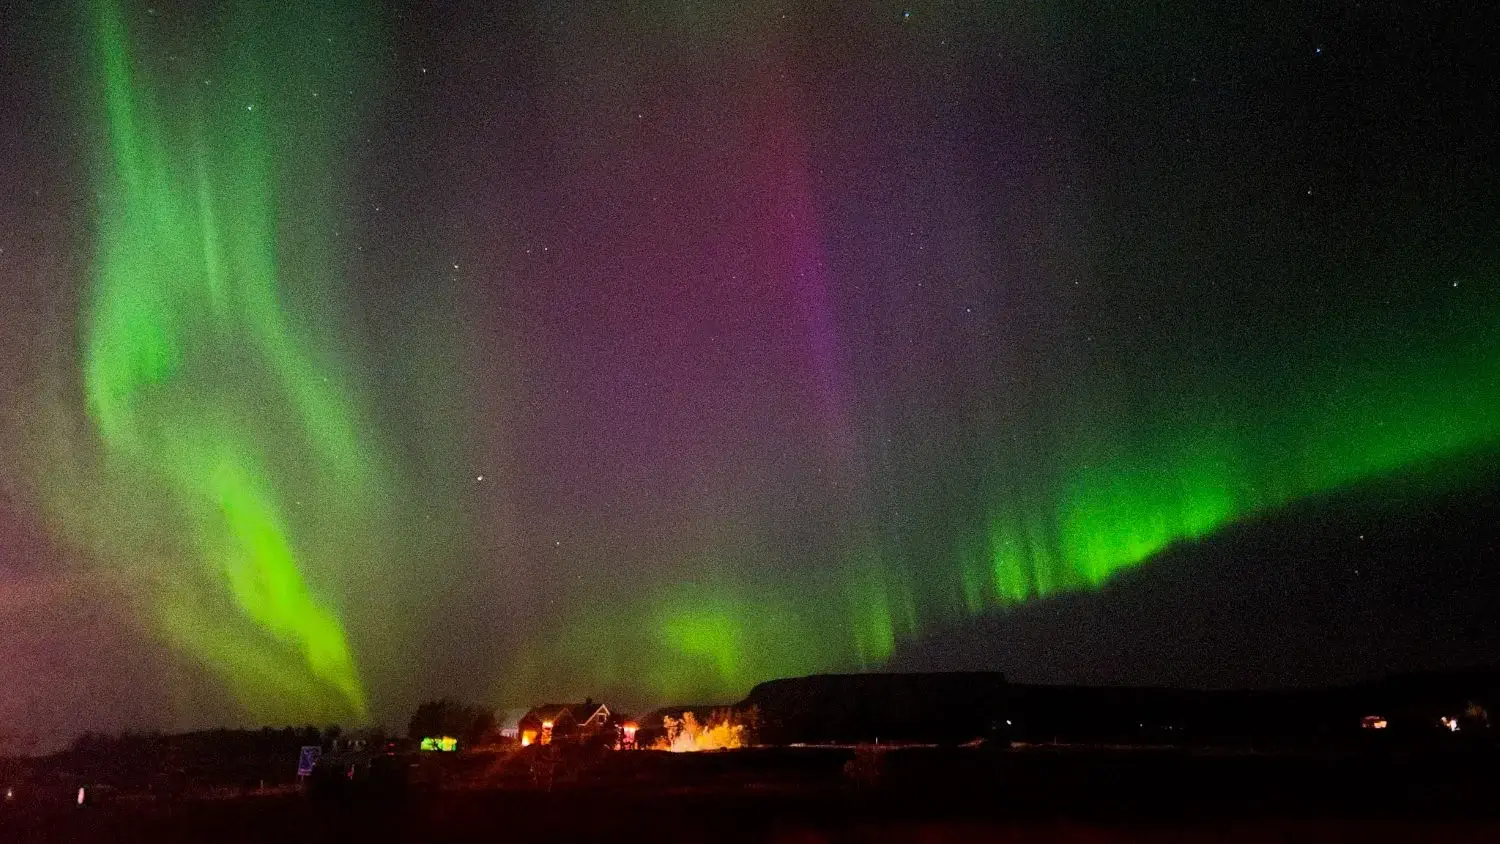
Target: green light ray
{"type": "Point", "coordinates": [1133, 482]}
{"type": "Point", "coordinates": [211, 402]}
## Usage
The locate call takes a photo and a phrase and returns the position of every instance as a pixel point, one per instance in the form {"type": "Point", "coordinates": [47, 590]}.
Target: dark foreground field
{"type": "Point", "coordinates": [812, 795]}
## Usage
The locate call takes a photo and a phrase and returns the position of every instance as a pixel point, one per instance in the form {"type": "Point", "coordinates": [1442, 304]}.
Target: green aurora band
{"type": "Point", "coordinates": [218, 415]}
{"type": "Point", "coordinates": [1128, 481]}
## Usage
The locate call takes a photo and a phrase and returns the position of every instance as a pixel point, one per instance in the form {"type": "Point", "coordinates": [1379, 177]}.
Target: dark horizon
{"type": "Point", "coordinates": [357, 356]}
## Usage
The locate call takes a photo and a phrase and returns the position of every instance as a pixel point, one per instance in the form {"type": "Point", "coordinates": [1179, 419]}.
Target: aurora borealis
{"type": "Point", "coordinates": [187, 339]}
{"type": "Point", "coordinates": [376, 352]}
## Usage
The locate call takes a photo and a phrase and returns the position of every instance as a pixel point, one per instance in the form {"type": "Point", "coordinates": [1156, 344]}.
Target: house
{"type": "Point", "coordinates": [565, 722]}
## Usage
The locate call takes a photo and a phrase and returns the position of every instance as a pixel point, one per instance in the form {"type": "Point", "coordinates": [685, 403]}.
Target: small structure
{"type": "Point", "coordinates": [444, 744]}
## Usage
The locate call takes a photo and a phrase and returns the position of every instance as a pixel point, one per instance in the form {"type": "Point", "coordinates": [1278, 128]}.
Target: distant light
{"type": "Point", "coordinates": [1373, 722]}
{"type": "Point", "coordinates": [80, 795]}
{"type": "Point", "coordinates": [10, 794]}
{"type": "Point", "coordinates": [1450, 723]}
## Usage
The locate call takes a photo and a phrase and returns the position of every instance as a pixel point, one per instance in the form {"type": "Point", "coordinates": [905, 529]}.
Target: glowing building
{"type": "Point", "coordinates": [445, 744]}
{"type": "Point", "coordinates": [566, 722]}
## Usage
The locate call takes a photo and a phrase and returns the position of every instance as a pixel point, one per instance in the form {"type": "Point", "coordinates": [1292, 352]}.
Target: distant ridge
{"type": "Point", "coordinates": [866, 707]}
{"type": "Point", "coordinates": [953, 707]}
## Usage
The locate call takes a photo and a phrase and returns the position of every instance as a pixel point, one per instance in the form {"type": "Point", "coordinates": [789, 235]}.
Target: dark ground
{"type": "Point", "coordinates": [818, 794]}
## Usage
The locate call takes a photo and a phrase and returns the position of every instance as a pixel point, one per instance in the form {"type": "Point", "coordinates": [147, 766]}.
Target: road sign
{"type": "Point", "coordinates": [308, 760]}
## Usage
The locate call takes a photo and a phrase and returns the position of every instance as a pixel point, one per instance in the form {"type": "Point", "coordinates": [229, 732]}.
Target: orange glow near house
{"type": "Point", "coordinates": [719, 732]}
{"type": "Point", "coordinates": [528, 738]}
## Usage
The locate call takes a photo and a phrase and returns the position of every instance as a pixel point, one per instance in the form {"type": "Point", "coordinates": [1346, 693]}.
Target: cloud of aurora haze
{"type": "Point", "coordinates": [237, 478]}
{"type": "Point", "coordinates": [743, 364]}
{"type": "Point", "coordinates": [1018, 366]}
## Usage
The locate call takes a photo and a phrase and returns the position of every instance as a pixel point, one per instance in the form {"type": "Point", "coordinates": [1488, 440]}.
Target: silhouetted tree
{"type": "Point", "coordinates": [467, 723]}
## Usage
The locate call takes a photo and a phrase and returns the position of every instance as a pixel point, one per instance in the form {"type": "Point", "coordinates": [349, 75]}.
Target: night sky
{"type": "Point", "coordinates": [371, 353]}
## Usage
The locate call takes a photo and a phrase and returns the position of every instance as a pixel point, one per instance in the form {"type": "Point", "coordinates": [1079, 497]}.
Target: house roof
{"type": "Point", "coordinates": [597, 711]}
{"type": "Point", "coordinates": [549, 712]}
{"type": "Point", "coordinates": [581, 713]}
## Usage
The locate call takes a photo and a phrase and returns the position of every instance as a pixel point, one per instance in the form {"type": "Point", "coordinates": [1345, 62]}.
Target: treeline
{"type": "Point", "coordinates": [243, 758]}
{"type": "Point", "coordinates": [471, 724]}
{"type": "Point", "coordinates": [157, 761]}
